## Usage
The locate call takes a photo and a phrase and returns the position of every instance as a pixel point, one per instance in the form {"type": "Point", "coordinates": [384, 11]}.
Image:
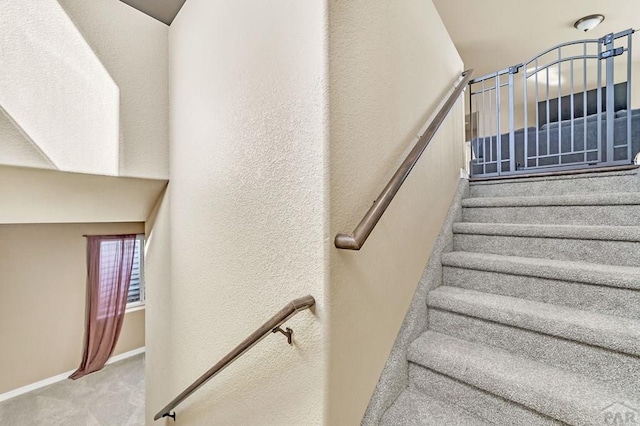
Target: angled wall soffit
{"type": "Point", "coordinates": [33, 195]}
{"type": "Point", "coordinates": [162, 10]}
{"type": "Point", "coordinates": [56, 89]}
{"type": "Point", "coordinates": [17, 147]}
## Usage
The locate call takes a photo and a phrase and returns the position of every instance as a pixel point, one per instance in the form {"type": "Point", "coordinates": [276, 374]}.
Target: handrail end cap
{"type": "Point", "coordinates": [346, 242]}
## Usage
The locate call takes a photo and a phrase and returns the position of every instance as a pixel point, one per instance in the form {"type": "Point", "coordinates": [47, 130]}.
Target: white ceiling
{"type": "Point", "coordinates": [495, 34]}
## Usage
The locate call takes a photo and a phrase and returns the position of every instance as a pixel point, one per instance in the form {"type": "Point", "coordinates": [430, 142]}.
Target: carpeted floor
{"type": "Point", "coordinates": [113, 396]}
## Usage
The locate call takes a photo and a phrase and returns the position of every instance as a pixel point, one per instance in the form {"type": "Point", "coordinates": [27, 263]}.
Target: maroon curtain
{"type": "Point", "coordinates": [109, 264]}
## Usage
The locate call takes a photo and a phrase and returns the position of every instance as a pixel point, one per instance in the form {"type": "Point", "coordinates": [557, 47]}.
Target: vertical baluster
{"type": "Point", "coordinates": [498, 127]}
{"type": "Point", "coordinates": [478, 161]}
{"type": "Point", "coordinates": [599, 90]}
{"type": "Point", "coordinates": [559, 105]}
{"type": "Point", "coordinates": [485, 151]}
{"type": "Point", "coordinates": [491, 133]}
{"type": "Point", "coordinates": [573, 146]}
{"type": "Point", "coordinates": [526, 121]}
{"type": "Point", "coordinates": [548, 112]}
{"type": "Point", "coordinates": [471, 112]}
{"type": "Point", "coordinates": [537, 115]}
{"type": "Point", "coordinates": [584, 104]}
{"type": "Point", "coordinates": [629, 78]}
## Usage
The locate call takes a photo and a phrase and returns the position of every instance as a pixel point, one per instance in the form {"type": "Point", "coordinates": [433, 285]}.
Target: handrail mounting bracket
{"type": "Point", "coordinates": [273, 325]}
{"type": "Point", "coordinates": [288, 333]}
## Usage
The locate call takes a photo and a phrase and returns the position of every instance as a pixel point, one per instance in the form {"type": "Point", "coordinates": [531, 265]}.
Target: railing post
{"type": "Point", "coordinates": [630, 152]}
{"type": "Point", "coordinates": [512, 131]}
{"type": "Point", "coordinates": [498, 135]}
{"type": "Point", "coordinates": [525, 156]}
{"type": "Point", "coordinates": [470, 129]}
{"type": "Point", "coordinates": [601, 149]}
{"type": "Point", "coordinates": [608, 42]}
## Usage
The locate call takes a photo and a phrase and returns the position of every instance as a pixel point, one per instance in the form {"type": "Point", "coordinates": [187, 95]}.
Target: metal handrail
{"type": "Point", "coordinates": [356, 240]}
{"type": "Point", "coordinates": [271, 326]}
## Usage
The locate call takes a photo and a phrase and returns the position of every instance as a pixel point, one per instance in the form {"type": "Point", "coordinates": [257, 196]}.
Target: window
{"type": "Point", "coordinates": [108, 255]}
{"type": "Point", "coordinates": [136, 285]}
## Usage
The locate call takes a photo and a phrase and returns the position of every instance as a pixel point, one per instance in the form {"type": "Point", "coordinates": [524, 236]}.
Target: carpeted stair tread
{"type": "Point", "coordinates": [581, 272]}
{"type": "Point", "coordinates": [595, 199]}
{"type": "Point", "coordinates": [612, 367]}
{"type": "Point", "coordinates": [579, 175]}
{"type": "Point", "coordinates": [599, 292]}
{"type": "Point", "coordinates": [413, 408]}
{"type": "Point", "coordinates": [579, 232]}
{"type": "Point", "coordinates": [565, 396]}
{"type": "Point", "coordinates": [607, 331]}
{"type": "Point", "coordinates": [587, 183]}
{"type": "Point", "coordinates": [480, 403]}
{"type": "Point", "coordinates": [534, 317]}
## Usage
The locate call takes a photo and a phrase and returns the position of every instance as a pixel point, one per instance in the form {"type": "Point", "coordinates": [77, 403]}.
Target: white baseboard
{"type": "Point", "coordinates": [34, 386]}
{"type": "Point", "coordinates": [60, 377]}
{"type": "Point", "coordinates": [125, 355]}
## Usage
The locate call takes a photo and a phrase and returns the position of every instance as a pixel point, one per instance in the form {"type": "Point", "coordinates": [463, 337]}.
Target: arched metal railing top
{"type": "Point", "coordinates": [549, 50]}
{"type": "Point", "coordinates": [561, 45]}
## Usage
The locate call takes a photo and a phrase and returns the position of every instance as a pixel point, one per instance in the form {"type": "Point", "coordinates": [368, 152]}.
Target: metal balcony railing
{"type": "Point", "coordinates": [568, 107]}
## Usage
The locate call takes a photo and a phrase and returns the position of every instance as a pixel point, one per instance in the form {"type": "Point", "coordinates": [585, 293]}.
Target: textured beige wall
{"type": "Point", "coordinates": [84, 88]}
{"type": "Point", "coordinates": [42, 308]}
{"type": "Point", "coordinates": [391, 63]}
{"type": "Point", "coordinates": [133, 48]}
{"type": "Point", "coordinates": [242, 228]}
{"type": "Point", "coordinates": [56, 89]}
{"type": "Point", "coordinates": [244, 213]}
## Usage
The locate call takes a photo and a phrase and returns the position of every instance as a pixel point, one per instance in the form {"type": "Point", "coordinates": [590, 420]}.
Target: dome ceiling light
{"type": "Point", "coordinates": [588, 22]}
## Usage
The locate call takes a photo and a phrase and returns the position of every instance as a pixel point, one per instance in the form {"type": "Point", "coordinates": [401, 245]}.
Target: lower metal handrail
{"type": "Point", "coordinates": [271, 326]}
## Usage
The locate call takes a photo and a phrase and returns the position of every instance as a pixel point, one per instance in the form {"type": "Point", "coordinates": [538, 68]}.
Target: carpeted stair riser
{"type": "Point", "coordinates": [594, 199]}
{"type": "Point", "coordinates": [628, 181]}
{"type": "Point", "coordinates": [414, 408]}
{"type": "Point", "coordinates": [580, 232]}
{"type": "Point", "coordinates": [623, 253]}
{"type": "Point", "coordinates": [611, 367]}
{"type": "Point", "coordinates": [614, 209]}
{"type": "Point", "coordinates": [595, 298]}
{"type": "Point", "coordinates": [556, 393]}
{"type": "Point", "coordinates": [558, 215]}
{"type": "Point", "coordinates": [483, 404]}
{"type": "Point", "coordinates": [580, 272]}
{"type": "Point", "coordinates": [606, 331]}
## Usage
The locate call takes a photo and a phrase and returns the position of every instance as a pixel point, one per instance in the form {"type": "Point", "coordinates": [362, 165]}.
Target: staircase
{"type": "Point", "coordinates": [538, 318]}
